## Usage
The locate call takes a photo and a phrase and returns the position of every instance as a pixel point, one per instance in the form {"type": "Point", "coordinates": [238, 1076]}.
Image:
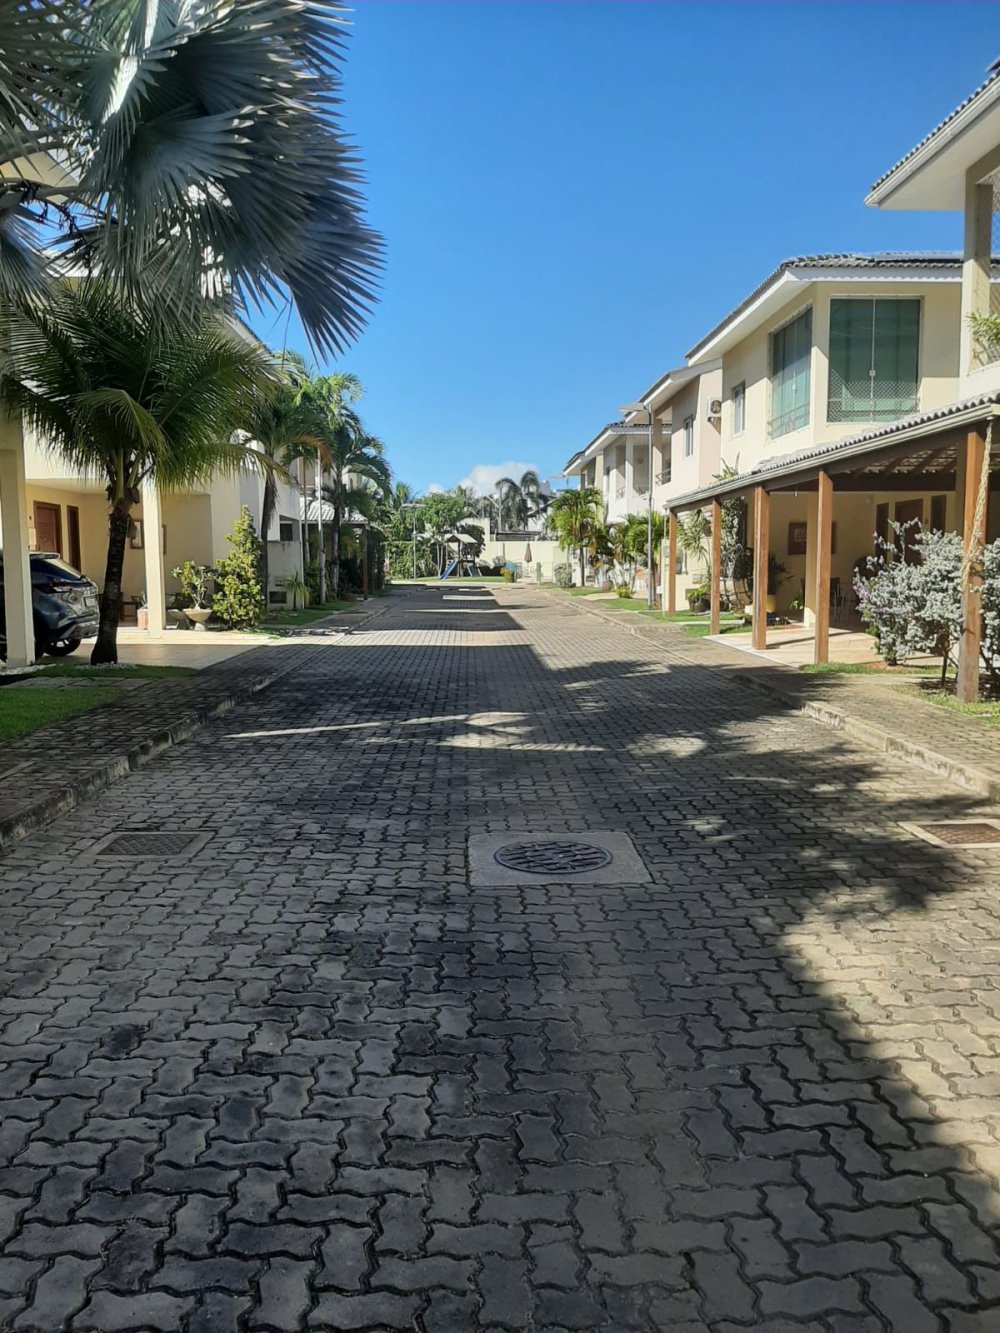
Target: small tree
{"type": "Point", "coordinates": [239, 601]}
{"type": "Point", "coordinates": [194, 580]}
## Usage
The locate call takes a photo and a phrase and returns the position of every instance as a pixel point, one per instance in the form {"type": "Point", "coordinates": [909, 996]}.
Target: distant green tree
{"type": "Point", "coordinates": [575, 514]}
{"type": "Point", "coordinates": [238, 599]}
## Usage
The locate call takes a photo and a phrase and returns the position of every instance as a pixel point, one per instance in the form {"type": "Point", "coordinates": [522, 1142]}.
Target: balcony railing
{"type": "Point", "coordinates": [663, 477]}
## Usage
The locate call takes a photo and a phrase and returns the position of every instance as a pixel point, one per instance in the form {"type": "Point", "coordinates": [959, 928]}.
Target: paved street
{"type": "Point", "coordinates": [307, 1077]}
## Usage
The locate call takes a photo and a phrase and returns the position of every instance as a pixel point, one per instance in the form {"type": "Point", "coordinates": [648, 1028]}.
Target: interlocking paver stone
{"type": "Point", "coordinates": [312, 1078]}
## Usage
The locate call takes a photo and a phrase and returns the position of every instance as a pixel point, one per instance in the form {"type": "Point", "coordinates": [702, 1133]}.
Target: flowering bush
{"type": "Point", "coordinates": [915, 606]}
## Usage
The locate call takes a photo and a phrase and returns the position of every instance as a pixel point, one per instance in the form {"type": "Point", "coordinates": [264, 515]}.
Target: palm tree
{"type": "Point", "coordinates": [285, 431]}
{"type": "Point", "coordinates": [575, 515]}
{"type": "Point", "coordinates": [183, 151]}
{"type": "Point", "coordinates": [518, 501]}
{"type": "Point", "coordinates": [330, 400]}
{"type": "Point", "coordinates": [354, 455]}
{"type": "Point", "coordinates": [85, 371]}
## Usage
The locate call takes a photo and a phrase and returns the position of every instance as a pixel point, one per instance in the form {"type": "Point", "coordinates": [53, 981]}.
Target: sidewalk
{"type": "Point", "coordinates": [55, 768]}
{"type": "Point", "coordinates": [873, 710]}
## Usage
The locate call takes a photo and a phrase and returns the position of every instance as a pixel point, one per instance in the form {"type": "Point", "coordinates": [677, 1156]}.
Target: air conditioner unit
{"type": "Point", "coordinates": [714, 407]}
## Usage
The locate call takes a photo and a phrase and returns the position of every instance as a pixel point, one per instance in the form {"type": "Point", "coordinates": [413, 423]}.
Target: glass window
{"type": "Point", "coordinates": [689, 437]}
{"type": "Point", "coordinates": [873, 359]}
{"type": "Point", "coordinates": [286, 532]}
{"type": "Point", "coordinates": [791, 349]}
{"type": "Point", "coordinates": [739, 409]}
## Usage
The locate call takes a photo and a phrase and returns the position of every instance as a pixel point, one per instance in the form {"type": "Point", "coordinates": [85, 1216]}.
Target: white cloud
{"type": "Point", "coordinates": [435, 489]}
{"type": "Point", "coordinates": [484, 476]}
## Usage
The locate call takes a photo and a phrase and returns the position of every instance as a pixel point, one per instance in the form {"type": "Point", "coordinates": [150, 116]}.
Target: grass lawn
{"type": "Point", "coordinates": [866, 669]}
{"type": "Point", "coordinates": [305, 616]}
{"type": "Point", "coordinates": [702, 629]}
{"type": "Point", "coordinates": [83, 671]}
{"type": "Point", "coordinates": [480, 578]}
{"type": "Point", "coordinates": [24, 709]}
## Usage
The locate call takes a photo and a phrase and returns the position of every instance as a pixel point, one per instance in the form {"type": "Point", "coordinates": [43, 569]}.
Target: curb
{"type": "Point", "coordinates": [869, 734]}
{"type": "Point", "coordinates": [60, 800]}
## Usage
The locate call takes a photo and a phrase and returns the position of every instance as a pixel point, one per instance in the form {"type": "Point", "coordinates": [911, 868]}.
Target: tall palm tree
{"type": "Point", "coordinates": [518, 500]}
{"type": "Point", "coordinates": [284, 432]}
{"type": "Point", "coordinates": [575, 514]}
{"type": "Point", "coordinates": [354, 455]}
{"type": "Point", "coordinates": [331, 400]}
{"type": "Point", "coordinates": [184, 150]}
{"type": "Point", "coordinates": [85, 371]}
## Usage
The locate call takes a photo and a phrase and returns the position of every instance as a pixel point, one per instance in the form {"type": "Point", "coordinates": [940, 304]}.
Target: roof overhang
{"type": "Point", "coordinates": [617, 430]}
{"type": "Point", "coordinates": [932, 175]}
{"type": "Point", "coordinates": [916, 438]}
{"type": "Point", "coordinates": [792, 278]}
{"type": "Point", "coordinates": [659, 395]}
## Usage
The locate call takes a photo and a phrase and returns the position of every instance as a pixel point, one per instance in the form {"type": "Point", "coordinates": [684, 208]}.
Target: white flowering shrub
{"type": "Point", "coordinates": [915, 606]}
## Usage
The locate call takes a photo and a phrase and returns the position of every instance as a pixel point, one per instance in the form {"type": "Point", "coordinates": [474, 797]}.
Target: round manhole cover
{"type": "Point", "coordinates": [553, 859]}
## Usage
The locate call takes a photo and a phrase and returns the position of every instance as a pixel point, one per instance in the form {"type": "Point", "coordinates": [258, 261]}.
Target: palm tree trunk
{"type": "Point", "coordinates": [267, 505]}
{"type": "Point", "coordinates": [319, 522]}
{"type": "Point", "coordinates": [106, 647]}
{"type": "Point", "coordinates": [583, 576]}
{"type": "Point", "coordinates": [335, 537]}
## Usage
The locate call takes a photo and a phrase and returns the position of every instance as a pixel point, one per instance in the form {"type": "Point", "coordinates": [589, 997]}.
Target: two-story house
{"type": "Point", "coordinates": [841, 401]}
{"type": "Point", "coordinates": [684, 406]}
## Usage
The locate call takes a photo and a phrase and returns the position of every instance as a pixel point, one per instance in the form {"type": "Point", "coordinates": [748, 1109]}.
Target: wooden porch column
{"type": "Point", "coordinates": [715, 559]}
{"type": "Point", "coordinates": [761, 542]}
{"type": "Point", "coordinates": [973, 536]}
{"type": "Point", "coordinates": [824, 541]}
{"type": "Point", "coordinates": [671, 571]}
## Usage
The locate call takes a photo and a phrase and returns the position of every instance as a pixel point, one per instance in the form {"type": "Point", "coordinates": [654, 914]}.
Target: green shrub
{"type": "Point", "coordinates": [194, 580]}
{"type": "Point", "coordinates": [507, 574]}
{"type": "Point", "coordinates": [623, 590]}
{"type": "Point", "coordinates": [238, 600]}
{"type": "Point", "coordinates": [564, 576]}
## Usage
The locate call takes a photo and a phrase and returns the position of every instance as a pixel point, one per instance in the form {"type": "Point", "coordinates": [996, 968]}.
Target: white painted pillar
{"type": "Point", "coordinates": [152, 558]}
{"type": "Point", "coordinates": [14, 521]}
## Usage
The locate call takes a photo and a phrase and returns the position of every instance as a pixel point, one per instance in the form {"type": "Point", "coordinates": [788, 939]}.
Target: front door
{"type": "Point", "coordinates": [48, 528]}
{"type": "Point", "coordinates": [73, 533]}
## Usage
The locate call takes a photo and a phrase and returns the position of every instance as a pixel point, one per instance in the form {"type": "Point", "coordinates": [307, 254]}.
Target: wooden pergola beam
{"type": "Point", "coordinates": [671, 574]}
{"type": "Point", "coordinates": [715, 578]}
{"type": "Point", "coordinates": [824, 543]}
{"type": "Point", "coordinates": [974, 520]}
{"type": "Point", "coordinates": [761, 544]}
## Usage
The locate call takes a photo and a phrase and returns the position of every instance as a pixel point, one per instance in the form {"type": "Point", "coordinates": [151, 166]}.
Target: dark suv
{"type": "Point", "coordinates": [65, 605]}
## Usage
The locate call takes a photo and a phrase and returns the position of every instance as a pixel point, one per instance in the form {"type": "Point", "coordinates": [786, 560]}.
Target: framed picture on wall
{"type": "Point", "coordinates": [797, 538]}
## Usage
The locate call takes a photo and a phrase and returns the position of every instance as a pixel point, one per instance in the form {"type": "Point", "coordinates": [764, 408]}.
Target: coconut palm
{"type": "Point", "coordinates": [354, 455]}
{"type": "Point", "coordinates": [116, 403]}
{"type": "Point", "coordinates": [184, 150]}
{"type": "Point", "coordinates": [284, 432]}
{"type": "Point", "coordinates": [518, 500]}
{"type": "Point", "coordinates": [575, 514]}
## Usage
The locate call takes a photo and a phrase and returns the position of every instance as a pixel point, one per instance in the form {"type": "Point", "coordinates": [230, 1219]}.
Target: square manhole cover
{"type": "Point", "coordinates": [504, 859]}
{"type": "Point", "coordinates": [150, 844]}
{"type": "Point", "coordinates": [958, 832]}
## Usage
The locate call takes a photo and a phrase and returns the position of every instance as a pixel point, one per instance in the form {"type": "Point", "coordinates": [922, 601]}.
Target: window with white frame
{"type": "Point", "coordinates": [739, 408]}
{"type": "Point", "coordinates": [286, 530]}
{"type": "Point", "coordinates": [689, 437]}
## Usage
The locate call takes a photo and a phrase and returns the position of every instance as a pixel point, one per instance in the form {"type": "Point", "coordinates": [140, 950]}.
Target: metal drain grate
{"type": "Point", "coordinates": [553, 859]}
{"type": "Point", "coordinates": [960, 832]}
{"type": "Point", "coordinates": [138, 843]}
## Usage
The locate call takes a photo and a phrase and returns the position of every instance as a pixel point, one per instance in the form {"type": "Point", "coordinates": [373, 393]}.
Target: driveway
{"type": "Point", "coordinates": [291, 1070]}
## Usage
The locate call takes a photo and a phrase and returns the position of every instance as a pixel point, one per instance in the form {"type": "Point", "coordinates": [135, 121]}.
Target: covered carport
{"type": "Point", "coordinates": [952, 454]}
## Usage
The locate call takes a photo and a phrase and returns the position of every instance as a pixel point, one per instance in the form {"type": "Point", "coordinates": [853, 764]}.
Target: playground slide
{"type": "Point", "coordinates": [448, 572]}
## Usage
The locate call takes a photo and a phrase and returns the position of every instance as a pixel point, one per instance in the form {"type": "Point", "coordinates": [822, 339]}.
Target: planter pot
{"type": "Point", "coordinates": [771, 604]}
{"type": "Point", "coordinates": [197, 616]}
{"type": "Point", "coordinates": [142, 617]}
{"type": "Point", "coordinates": [699, 604]}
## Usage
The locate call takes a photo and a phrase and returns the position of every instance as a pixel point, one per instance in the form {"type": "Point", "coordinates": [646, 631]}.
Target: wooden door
{"type": "Point", "coordinates": [73, 536]}
{"type": "Point", "coordinates": [906, 512]}
{"type": "Point", "coordinates": [48, 527]}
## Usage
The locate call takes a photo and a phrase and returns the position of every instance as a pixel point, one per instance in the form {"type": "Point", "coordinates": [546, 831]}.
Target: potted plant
{"type": "Point", "coordinates": [194, 580]}
{"type": "Point", "coordinates": [777, 574]}
{"type": "Point", "coordinates": [142, 612]}
{"type": "Point", "coordinates": [699, 598]}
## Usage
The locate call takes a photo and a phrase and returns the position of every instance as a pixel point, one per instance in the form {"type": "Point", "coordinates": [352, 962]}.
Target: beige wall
{"type": "Point", "coordinates": [748, 362]}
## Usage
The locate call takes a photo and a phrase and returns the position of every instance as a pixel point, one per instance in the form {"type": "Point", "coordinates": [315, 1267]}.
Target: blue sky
{"type": "Point", "coordinates": [572, 193]}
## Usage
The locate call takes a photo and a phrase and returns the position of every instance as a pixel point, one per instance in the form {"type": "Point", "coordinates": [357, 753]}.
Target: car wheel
{"type": "Point", "coordinates": [63, 647]}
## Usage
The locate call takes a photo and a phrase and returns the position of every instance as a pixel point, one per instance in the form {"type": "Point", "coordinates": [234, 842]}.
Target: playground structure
{"type": "Point", "coordinates": [461, 564]}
